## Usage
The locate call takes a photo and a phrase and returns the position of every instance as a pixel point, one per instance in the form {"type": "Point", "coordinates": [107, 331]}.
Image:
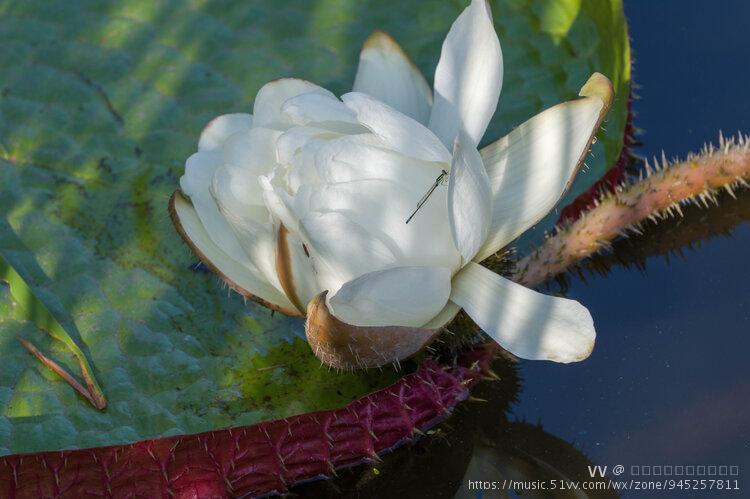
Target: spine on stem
{"type": "Point", "coordinates": [661, 193]}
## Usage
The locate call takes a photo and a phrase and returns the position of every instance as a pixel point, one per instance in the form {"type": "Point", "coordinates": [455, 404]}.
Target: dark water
{"type": "Point", "coordinates": [668, 383]}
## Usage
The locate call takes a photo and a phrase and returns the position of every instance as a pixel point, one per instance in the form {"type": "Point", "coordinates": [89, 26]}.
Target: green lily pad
{"type": "Point", "coordinates": [100, 104]}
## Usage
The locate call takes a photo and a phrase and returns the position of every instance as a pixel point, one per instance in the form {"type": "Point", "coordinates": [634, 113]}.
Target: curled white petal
{"type": "Point", "coordinates": [279, 202]}
{"type": "Point", "coordinates": [238, 195]}
{"type": "Point", "coordinates": [247, 155]}
{"type": "Point", "coordinates": [252, 149]}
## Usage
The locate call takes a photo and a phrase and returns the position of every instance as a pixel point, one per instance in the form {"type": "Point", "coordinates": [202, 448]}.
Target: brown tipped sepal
{"type": "Point", "coordinates": [346, 346]}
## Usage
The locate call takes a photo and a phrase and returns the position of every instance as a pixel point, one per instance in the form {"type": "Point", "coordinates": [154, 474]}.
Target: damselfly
{"type": "Point", "coordinates": [439, 180]}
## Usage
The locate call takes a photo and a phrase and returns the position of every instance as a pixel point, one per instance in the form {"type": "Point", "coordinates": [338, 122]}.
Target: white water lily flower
{"type": "Point", "coordinates": [304, 202]}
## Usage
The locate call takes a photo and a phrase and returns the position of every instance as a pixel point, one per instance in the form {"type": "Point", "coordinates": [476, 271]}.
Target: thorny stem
{"type": "Point", "coordinates": [660, 194]}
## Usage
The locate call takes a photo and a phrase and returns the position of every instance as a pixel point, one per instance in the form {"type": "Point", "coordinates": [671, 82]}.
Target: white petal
{"type": "Point", "coordinates": [362, 157]}
{"type": "Point", "coordinates": [533, 166]}
{"type": "Point", "coordinates": [242, 278]}
{"type": "Point", "coordinates": [259, 241]}
{"type": "Point", "coordinates": [301, 170]}
{"type": "Point", "coordinates": [386, 73]}
{"type": "Point", "coordinates": [253, 149]}
{"type": "Point", "coordinates": [399, 296]}
{"type": "Point", "coordinates": [315, 107]}
{"type": "Point", "coordinates": [279, 202]}
{"type": "Point", "coordinates": [382, 207]}
{"type": "Point", "coordinates": [469, 198]}
{"type": "Point", "coordinates": [396, 130]}
{"type": "Point", "coordinates": [294, 139]}
{"type": "Point", "coordinates": [344, 248]}
{"type": "Point", "coordinates": [270, 98]}
{"type": "Point", "coordinates": [443, 317]}
{"type": "Point", "coordinates": [238, 194]}
{"type": "Point", "coordinates": [528, 324]}
{"type": "Point", "coordinates": [196, 184]}
{"type": "Point", "coordinates": [240, 233]}
{"type": "Point", "coordinates": [247, 155]}
{"type": "Point", "coordinates": [468, 76]}
{"type": "Point", "coordinates": [220, 128]}
{"type": "Point", "coordinates": [295, 269]}
{"type": "Point", "coordinates": [235, 189]}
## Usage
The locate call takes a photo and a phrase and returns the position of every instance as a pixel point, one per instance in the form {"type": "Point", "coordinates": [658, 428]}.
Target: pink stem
{"type": "Point", "coordinates": [662, 193]}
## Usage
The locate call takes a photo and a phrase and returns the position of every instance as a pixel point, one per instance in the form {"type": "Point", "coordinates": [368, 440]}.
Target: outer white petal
{"type": "Point", "coordinates": [243, 278]}
{"type": "Point", "coordinates": [220, 128]}
{"type": "Point", "coordinates": [396, 130]}
{"type": "Point", "coordinates": [196, 184]}
{"type": "Point", "coordinates": [528, 324]}
{"type": "Point", "coordinates": [469, 198]}
{"type": "Point", "coordinates": [342, 249]}
{"type": "Point", "coordinates": [533, 166]}
{"type": "Point", "coordinates": [399, 296]}
{"type": "Point", "coordinates": [270, 98]}
{"type": "Point", "coordinates": [468, 76]}
{"type": "Point", "coordinates": [386, 73]}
